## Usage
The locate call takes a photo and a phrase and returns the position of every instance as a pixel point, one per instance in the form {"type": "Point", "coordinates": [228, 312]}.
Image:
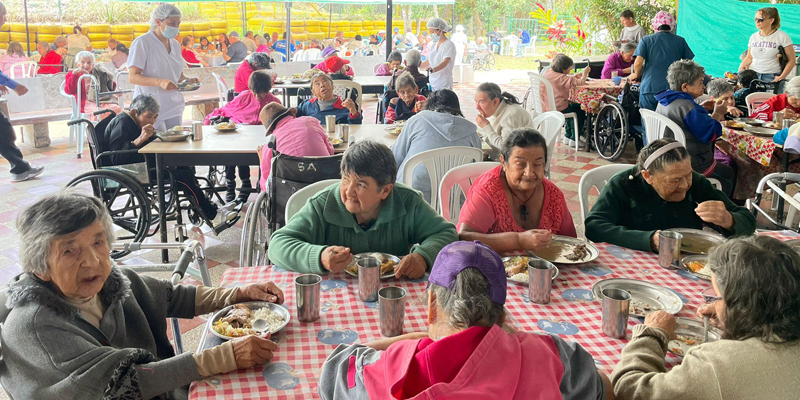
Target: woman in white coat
{"type": "Point", "coordinates": [442, 55]}
{"type": "Point", "coordinates": [156, 66]}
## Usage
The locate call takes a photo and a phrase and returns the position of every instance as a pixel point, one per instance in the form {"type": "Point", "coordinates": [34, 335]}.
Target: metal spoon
{"type": "Point", "coordinates": [705, 329]}
{"type": "Point", "coordinates": [260, 325]}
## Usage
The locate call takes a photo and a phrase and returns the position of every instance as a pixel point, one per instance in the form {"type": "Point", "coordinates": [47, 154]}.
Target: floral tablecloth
{"type": "Point", "coordinates": [590, 95]}
{"type": "Point", "coordinates": [749, 171]}
{"type": "Point", "coordinates": [759, 148]}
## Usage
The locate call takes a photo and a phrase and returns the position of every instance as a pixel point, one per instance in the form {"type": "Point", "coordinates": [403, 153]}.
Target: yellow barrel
{"type": "Point", "coordinates": [141, 28]}
{"type": "Point", "coordinates": [99, 37]}
{"type": "Point", "coordinates": [127, 29]}
{"type": "Point", "coordinates": [96, 28]}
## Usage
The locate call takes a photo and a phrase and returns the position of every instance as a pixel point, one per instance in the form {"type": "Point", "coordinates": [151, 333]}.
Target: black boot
{"type": "Point", "coordinates": [230, 194]}
{"type": "Point", "coordinates": [245, 190]}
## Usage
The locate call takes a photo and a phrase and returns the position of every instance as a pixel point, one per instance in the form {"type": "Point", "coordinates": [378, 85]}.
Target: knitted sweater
{"type": "Point", "coordinates": [628, 212]}
{"type": "Point", "coordinates": [406, 224]}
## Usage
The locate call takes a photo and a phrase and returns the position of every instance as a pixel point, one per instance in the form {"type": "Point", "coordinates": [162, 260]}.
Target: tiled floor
{"type": "Point", "coordinates": [223, 251]}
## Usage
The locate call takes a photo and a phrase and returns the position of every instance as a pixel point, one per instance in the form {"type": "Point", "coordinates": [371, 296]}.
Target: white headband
{"type": "Point", "coordinates": [660, 152]}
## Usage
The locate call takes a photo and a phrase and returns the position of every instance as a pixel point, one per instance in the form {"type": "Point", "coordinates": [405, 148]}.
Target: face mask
{"type": "Point", "coordinates": [170, 32]}
{"type": "Point", "coordinates": [435, 37]}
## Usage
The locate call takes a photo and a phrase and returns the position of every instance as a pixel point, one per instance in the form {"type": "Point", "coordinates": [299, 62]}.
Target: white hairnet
{"type": "Point", "coordinates": [459, 28]}
{"type": "Point", "coordinates": [163, 12]}
{"type": "Point", "coordinates": [440, 24]}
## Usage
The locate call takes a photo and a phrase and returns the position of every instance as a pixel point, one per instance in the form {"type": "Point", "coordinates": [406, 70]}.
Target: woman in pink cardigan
{"type": "Point", "coordinates": [469, 352]}
{"type": "Point", "coordinates": [244, 108]}
{"type": "Point", "coordinates": [294, 136]}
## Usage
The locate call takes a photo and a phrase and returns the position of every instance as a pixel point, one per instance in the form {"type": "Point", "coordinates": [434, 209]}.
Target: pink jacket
{"type": "Point", "coordinates": [478, 363]}
{"type": "Point", "coordinates": [299, 137]}
{"type": "Point", "coordinates": [243, 109]}
{"type": "Point", "coordinates": [10, 59]}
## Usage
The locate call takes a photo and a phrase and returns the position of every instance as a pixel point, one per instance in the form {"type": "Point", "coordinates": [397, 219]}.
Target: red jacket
{"type": "Point", "coordinates": [189, 56]}
{"type": "Point", "coordinates": [51, 63]}
{"type": "Point", "coordinates": [776, 103]}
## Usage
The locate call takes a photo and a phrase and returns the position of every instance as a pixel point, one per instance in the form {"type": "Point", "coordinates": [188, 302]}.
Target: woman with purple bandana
{"type": "Point", "coordinates": [469, 348]}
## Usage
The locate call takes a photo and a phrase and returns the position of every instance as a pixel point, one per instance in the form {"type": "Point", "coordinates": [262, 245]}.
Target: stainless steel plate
{"type": "Point", "coordinates": [173, 136]}
{"type": "Point", "coordinates": [761, 131]}
{"type": "Point", "coordinates": [698, 257]}
{"type": "Point", "coordinates": [563, 246]}
{"type": "Point", "coordinates": [696, 241]}
{"type": "Point", "coordinates": [188, 87]}
{"type": "Point", "coordinates": [642, 294]}
{"type": "Point", "coordinates": [750, 121]}
{"type": "Point", "coordinates": [352, 269]}
{"type": "Point", "coordinates": [690, 329]}
{"type": "Point", "coordinates": [523, 280]}
{"type": "Point", "coordinates": [252, 305]}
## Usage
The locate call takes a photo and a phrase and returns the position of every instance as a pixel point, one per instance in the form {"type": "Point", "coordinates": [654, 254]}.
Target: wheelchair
{"type": "Point", "coordinates": [288, 174]}
{"type": "Point", "coordinates": [481, 60]}
{"type": "Point", "coordinates": [129, 191]}
{"type": "Point", "coordinates": [617, 122]}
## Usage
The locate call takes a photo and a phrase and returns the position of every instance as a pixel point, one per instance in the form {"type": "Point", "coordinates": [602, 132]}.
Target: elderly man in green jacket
{"type": "Point", "coordinates": [366, 212]}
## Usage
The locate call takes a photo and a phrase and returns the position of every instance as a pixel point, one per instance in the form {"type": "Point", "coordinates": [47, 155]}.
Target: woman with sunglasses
{"type": "Point", "coordinates": [763, 49]}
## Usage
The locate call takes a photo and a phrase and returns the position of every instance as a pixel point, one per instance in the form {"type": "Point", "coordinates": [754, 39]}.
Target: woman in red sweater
{"type": "Point", "coordinates": [187, 51]}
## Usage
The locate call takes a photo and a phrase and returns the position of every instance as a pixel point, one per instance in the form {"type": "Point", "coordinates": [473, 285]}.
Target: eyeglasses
{"type": "Point", "coordinates": [759, 19]}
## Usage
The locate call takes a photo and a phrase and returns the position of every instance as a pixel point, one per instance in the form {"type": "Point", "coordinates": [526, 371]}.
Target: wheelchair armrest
{"type": "Point", "coordinates": [110, 153]}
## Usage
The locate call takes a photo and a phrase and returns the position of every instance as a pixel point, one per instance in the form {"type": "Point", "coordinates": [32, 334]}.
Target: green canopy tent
{"type": "Point", "coordinates": [389, 10]}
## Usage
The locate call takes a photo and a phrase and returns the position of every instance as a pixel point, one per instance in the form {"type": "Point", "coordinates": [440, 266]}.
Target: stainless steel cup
{"type": "Point", "coordinates": [197, 130]}
{"type": "Point", "coordinates": [369, 278]}
{"type": "Point", "coordinates": [669, 249]}
{"type": "Point", "coordinates": [330, 124]}
{"type": "Point", "coordinates": [344, 132]}
{"type": "Point", "coordinates": [540, 276]}
{"type": "Point", "coordinates": [787, 123]}
{"type": "Point", "coordinates": [392, 307]}
{"type": "Point", "coordinates": [777, 117]}
{"type": "Point", "coordinates": [307, 291]}
{"type": "Point", "coordinates": [615, 312]}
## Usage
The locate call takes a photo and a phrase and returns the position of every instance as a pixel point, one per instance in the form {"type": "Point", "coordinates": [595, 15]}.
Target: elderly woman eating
{"type": "Point", "coordinates": [469, 348]}
{"type": "Point", "coordinates": [788, 102]}
{"type": "Point", "coordinates": [81, 328]}
{"type": "Point", "coordinates": [84, 63]}
{"type": "Point", "coordinates": [253, 62]}
{"type": "Point", "coordinates": [392, 66]}
{"type": "Point", "coordinates": [513, 207]}
{"type": "Point", "coordinates": [441, 125]}
{"type": "Point", "coordinates": [408, 101]}
{"type": "Point", "coordinates": [700, 128]}
{"type": "Point", "coordinates": [620, 62]}
{"type": "Point", "coordinates": [294, 136]}
{"type": "Point", "coordinates": [499, 113]}
{"type": "Point", "coordinates": [757, 280]}
{"type": "Point", "coordinates": [662, 192]}
{"type": "Point", "coordinates": [366, 212]}
{"type": "Point", "coordinates": [325, 102]}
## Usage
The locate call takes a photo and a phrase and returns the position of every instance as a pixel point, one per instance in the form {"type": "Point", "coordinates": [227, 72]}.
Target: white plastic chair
{"type": "Point", "coordinates": [278, 57]}
{"type": "Point", "coordinates": [73, 129]}
{"type": "Point", "coordinates": [300, 197]}
{"type": "Point", "coordinates": [438, 162]}
{"type": "Point", "coordinates": [753, 100]}
{"type": "Point", "coordinates": [193, 65]}
{"type": "Point", "coordinates": [597, 177]}
{"type": "Point", "coordinates": [340, 85]}
{"type": "Point", "coordinates": [549, 124]}
{"type": "Point", "coordinates": [313, 54]}
{"type": "Point", "coordinates": [121, 78]}
{"type": "Point", "coordinates": [222, 89]}
{"type": "Point", "coordinates": [536, 106]}
{"type": "Point", "coordinates": [655, 126]}
{"type": "Point", "coordinates": [715, 183]}
{"type": "Point", "coordinates": [299, 55]}
{"type": "Point", "coordinates": [29, 69]}
{"type": "Point", "coordinates": [461, 177]}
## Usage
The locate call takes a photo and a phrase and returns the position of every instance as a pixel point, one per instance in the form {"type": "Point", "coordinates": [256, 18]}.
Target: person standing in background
{"type": "Point", "coordinates": [764, 47]}
{"type": "Point", "coordinates": [441, 58]}
{"type": "Point", "coordinates": [631, 31]}
{"type": "Point", "coordinates": [20, 169]}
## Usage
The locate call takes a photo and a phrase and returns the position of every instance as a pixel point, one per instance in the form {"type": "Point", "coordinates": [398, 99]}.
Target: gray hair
{"type": "Point", "coordinates": [793, 88]}
{"type": "Point", "coordinates": [144, 103]}
{"type": "Point", "coordinates": [53, 216]}
{"type": "Point", "coordinates": [395, 56]}
{"type": "Point", "coordinates": [718, 87]}
{"type": "Point", "coordinates": [405, 80]}
{"type": "Point", "coordinates": [321, 75]}
{"type": "Point", "coordinates": [260, 40]}
{"type": "Point", "coordinates": [84, 54]}
{"type": "Point", "coordinates": [627, 47]}
{"type": "Point", "coordinates": [468, 303]}
{"type": "Point", "coordinates": [372, 159]}
{"type": "Point", "coordinates": [684, 71]}
{"type": "Point", "coordinates": [44, 44]}
{"type": "Point", "coordinates": [413, 58]}
{"type": "Point", "coordinates": [163, 12]}
{"type": "Point", "coordinates": [754, 307]}
{"type": "Point", "coordinates": [561, 63]}
{"type": "Point", "coordinates": [661, 163]}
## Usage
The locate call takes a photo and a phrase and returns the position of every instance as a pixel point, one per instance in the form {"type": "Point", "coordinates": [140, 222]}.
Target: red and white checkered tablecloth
{"type": "Point", "coordinates": [302, 347]}
{"type": "Point", "coordinates": [590, 95]}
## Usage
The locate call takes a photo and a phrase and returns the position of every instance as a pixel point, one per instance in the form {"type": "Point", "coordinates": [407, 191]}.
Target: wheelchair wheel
{"type": "Point", "coordinates": [611, 131]}
{"type": "Point", "coordinates": [125, 200]}
{"type": "Point", "coordinates": [216, 175]}
{"type": "Point", "coordinates": [256, 236]}
{"type": "Point", "coordinates": [488, 62]}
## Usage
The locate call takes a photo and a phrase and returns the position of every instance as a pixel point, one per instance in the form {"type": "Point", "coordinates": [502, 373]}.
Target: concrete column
{"type": "Point", "coordinates": [36, 135]}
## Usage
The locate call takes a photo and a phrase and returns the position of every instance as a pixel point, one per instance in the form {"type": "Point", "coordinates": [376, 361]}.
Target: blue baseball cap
{"type": "Point", "coordinates": [458, 256]}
